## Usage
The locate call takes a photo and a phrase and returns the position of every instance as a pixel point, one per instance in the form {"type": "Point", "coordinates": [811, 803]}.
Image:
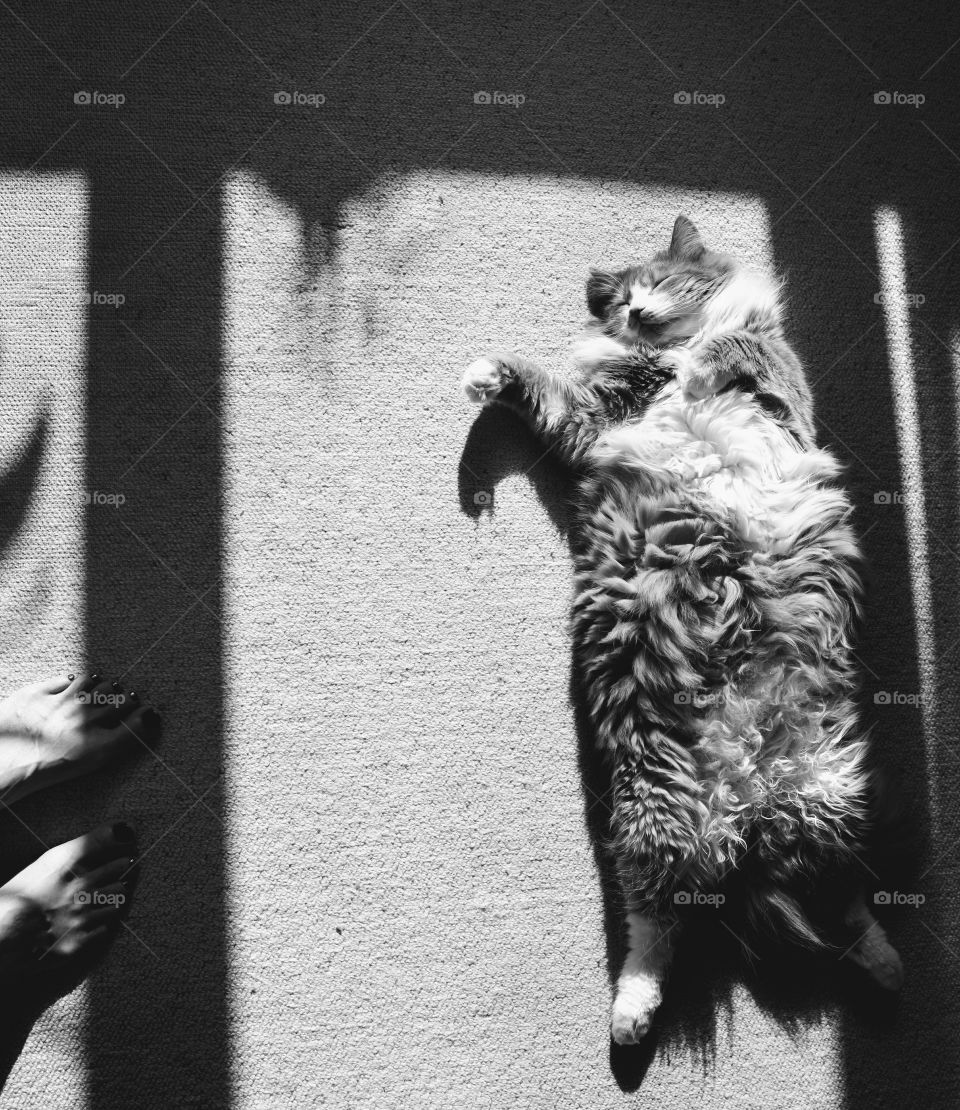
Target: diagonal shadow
{"type": "Point", "coordinates": [18, 485]}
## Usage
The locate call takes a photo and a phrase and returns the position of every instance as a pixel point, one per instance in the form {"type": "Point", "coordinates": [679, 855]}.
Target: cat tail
{"type": "Point", "coordinates": [772, 910]}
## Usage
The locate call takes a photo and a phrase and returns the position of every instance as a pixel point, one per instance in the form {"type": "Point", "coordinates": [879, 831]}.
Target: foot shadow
{"type": "Point", "coordinates": [25, 1004]}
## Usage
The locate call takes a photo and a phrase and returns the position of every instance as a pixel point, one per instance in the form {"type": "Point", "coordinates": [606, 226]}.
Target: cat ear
{"type": "Point", "coordinates": [686, 244]}
{"type": "Point", "coordinates": [602, 287]}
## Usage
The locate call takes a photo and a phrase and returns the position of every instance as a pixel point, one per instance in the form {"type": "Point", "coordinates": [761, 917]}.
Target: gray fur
{"type": "Point", "coordinates": [715, 658]}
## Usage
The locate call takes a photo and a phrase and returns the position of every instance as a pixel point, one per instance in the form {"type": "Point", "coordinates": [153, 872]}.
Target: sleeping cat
{"type": "Point", "coordinates": [716, 593]}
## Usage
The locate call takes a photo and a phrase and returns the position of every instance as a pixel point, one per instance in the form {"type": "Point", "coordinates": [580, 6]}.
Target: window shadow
{"type": "Point", "coordinates": [798, 129]}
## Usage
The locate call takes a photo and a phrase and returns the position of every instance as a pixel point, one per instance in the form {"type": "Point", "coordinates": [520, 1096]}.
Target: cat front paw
{"type": "Point", "coordinates": [484, 379]}
{"type": "Point", "coordinates": [695, 379]}
{"type": "Point", "coordinates": [682, 363]}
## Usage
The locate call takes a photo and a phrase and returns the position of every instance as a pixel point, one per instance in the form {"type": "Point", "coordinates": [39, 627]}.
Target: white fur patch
{"type": "Point", "coordinates": [595, 347]}
{"type": "Point", "coordinates": [649, 300]}
{"type": "Point", "coordinates": [746, 293]}
{"type": "Point", "coordinates": [728, 448]}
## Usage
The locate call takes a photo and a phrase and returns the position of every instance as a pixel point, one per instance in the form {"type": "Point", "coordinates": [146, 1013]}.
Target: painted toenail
{"type": "Point", "coordinates": [71, 677]}
{"type": "Point", "coordinates": [115, 685]}
{"type": "Point", "coordinates": [123, 833]}
{"type": "Point", "coordinates": [133, 695]}
{"type": "Point", "coordinates": [94, 678]}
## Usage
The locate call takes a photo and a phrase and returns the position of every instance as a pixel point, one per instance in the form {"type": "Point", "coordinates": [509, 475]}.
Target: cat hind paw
{"type": "Point", "coordinates": [633, 1012]}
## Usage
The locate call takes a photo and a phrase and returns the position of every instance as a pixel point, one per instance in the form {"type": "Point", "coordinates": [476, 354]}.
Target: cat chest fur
{"type": "Point", "coordinates": [725, 453]}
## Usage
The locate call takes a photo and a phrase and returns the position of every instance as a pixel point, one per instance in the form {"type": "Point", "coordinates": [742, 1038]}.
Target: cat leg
{"type": "Point", "coordinates": [549, 404]}
{"type": "Point", "coordinates": [767, 368]}
{"type": "Point", "coordinates": [640, 986]}
{"type": "Point", "coordinates": [655, 824]}
{"type": "Point", "coordinates": [872, 951]}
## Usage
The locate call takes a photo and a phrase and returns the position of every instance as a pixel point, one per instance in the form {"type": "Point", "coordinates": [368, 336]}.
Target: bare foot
{"type": "Point", "coordinates": [65, 902]}
{"type": "Point", "coordinates": [64, 727]}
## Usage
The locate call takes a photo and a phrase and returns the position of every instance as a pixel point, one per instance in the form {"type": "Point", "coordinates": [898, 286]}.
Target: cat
{"type": "Point", "coordinates": [717, 590]}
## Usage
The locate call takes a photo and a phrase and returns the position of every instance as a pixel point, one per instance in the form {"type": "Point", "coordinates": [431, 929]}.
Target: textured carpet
{"type": "Point", "coordinates": [370, 874]}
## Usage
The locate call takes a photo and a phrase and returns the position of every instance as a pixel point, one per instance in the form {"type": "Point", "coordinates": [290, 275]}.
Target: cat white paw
{"type": "Point", "coordinates": [483, 380]}
{"type": "Point", "coordinates": [634, 1006]}
{"type": "Point", "coordinates": [682, 363]}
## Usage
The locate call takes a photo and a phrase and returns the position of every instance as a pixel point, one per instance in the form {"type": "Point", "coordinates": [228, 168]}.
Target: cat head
{"type": "Point", "coordinates": [667, 299]}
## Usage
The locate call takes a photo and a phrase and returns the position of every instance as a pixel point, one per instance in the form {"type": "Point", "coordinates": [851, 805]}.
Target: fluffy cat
{"type": "Point", "coordinates": [716, 593]}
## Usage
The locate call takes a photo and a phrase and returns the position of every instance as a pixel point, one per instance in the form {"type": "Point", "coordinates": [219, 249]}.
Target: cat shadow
{"type": "Point", "coordinates": [499, 445]}
{"type": "Point", "coordinates": [713, 964]}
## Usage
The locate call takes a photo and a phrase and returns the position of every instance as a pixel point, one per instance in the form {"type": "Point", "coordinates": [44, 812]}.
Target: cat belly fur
{"type": "Point", "coordinates": [717, 671]}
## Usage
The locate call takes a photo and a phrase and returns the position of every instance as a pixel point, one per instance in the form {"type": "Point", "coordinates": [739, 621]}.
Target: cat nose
{"type": "Point", "coordinates": [638, 316]}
